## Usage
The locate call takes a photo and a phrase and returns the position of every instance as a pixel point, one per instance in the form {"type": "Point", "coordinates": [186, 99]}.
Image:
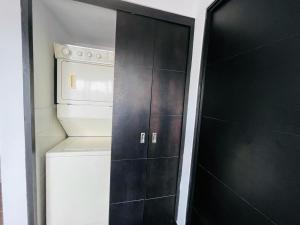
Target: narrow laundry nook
{"type": "Point", "coordinates": [110, 90]}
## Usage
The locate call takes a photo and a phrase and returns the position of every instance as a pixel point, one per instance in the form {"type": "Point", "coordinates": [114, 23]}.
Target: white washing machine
{"type": "Point", "coordinates": [77, 172]}
{"type": "Point", "coordinates": [78, 169]}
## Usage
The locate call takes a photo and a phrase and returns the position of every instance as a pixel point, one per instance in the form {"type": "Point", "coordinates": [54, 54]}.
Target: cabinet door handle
{"type": "Point", "coordinates": [154, 137]}
{"type": "Point", "coordinates": [142, 138]}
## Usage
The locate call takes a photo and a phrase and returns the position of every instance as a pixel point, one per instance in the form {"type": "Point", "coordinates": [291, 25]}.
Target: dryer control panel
{"type": "Point", "coordinates": [84, 54]}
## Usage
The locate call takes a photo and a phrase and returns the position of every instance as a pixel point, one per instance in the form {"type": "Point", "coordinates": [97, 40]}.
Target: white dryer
{"type": "Point", "coordinates": [85, 79]}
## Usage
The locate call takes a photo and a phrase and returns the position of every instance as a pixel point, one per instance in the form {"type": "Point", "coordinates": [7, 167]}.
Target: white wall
{"type": "Point", "coordinates": [191, 113]}
{"type": "Point", "coordinates": [48, 132]}
{"type": "Point", "coordinates": [12, 141]}
{"type": "Point", "coordinates": [181, 7]}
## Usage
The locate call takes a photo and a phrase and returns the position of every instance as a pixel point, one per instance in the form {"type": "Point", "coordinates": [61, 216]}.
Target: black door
{"type": "Point", "coordinates": [148, 106]}
{"type": "Point", "coordinates": [132, 86]}
{"type": "Point", "coordinates": [168, 87]}
{"type": "Point", "coordinates": [131, 113]}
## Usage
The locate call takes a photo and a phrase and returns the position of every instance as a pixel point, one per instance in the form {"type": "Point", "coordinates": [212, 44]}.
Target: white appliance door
{"type": "Point", "coordinates": [86, 82]}
{"type": "Point", "coordinates": [77, 190]}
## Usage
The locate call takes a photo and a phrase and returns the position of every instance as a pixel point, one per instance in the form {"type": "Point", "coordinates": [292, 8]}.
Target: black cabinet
{"type": "Point", "coordinates": [168, 134]}
{"type": "Point", "coordinates": [149, 97]}
{"type": "Point", "coordinates": [167, 92]}
{"type": "Point", "coordinates": [171, 46]}
{"type": "Point", "coordinates": [159, 211]}
{"type": "Point", "coordinates": [131, 111]}
{"type": "Point", "coordinates": [127, 213]}
{"type": "Point", "coordinates": [134, 40]}
{"type": "Point", "coordinates": [161, 177]}
{"type": "Point", "coordinates": [129, 177]}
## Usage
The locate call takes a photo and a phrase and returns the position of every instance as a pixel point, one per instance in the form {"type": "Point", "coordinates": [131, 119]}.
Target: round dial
{"type": "Point", "coordinates": [66, 51]}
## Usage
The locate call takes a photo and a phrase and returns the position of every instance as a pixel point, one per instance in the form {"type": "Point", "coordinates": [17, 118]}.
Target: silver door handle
{"type": "Point", "coordinates": [154, 137]}
{"type": "Point", "coordinates": [142, 137]}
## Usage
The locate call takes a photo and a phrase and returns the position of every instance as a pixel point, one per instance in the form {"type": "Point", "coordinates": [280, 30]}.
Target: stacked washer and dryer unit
{"type": "Point", "coordinates": [78, 169]}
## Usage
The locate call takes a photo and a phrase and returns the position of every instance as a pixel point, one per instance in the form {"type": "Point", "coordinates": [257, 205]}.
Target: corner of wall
{"type": "Point", "coordinates": [12, 132]}
{"type": "Point", "coordinates": [191, 113]}
{"type": "Point", "coordinates": [46, 30]}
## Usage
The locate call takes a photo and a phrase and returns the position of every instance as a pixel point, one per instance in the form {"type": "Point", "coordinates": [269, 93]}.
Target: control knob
{"type": "Point", "coordinates": [66, 52]}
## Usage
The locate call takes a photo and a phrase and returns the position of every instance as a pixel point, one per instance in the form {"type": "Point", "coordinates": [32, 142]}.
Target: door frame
{"type": "Point", "coordinates": [28, 83]}
{"type": "Point", "coordinates": [28, 98]}
{"type": "Point", "coordinates": [196, 142]}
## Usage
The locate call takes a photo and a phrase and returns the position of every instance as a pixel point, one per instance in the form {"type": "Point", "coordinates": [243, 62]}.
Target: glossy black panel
{"type": "Point", "coordinates": [127, 131]}
{"type": "Point", "coordinates": [160, 211]}
{"type": "Point", "coordinates": [215, 204]}
{"type": "Point", "coordinates": [167, 92]}
{"type": "Point", "coordinates": [171, 46]}
{"type": "Point", "coordinates": [261, 86]}
{"type": "Point", "coordinates": [195, 218]}
{"type": "Point", "coordinates": [134, 40]}
{"type": "Point", "coordinates": [141, 44]}
{"type": "Point", "coordinates": [130, 213]}
{"type": "Point", "coordinates": [132, 88]}
{"type": "Point", "coordinates": [261, 166]}
{"type": "Point", "coordinates": [131, 111]}
{"type": "Point", "coordinates": [242, 25]}
{"type": "Point", "coordinates": [128, 178]}
{"type": "Point", "coordinates": [168, 130]}
{"type": "Point", "coordinates": [161, 177]}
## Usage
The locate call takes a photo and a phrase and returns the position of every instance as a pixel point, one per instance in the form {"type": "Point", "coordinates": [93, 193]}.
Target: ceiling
{"type": "Point", "coordinates": [84, 23]}
{"type": "Point", "coordinates": [95, 26]}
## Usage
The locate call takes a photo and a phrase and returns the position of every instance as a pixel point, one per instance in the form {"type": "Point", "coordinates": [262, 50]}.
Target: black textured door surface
{"type": "Point", "coordinates": [149, 92]}
{"type": "Point", "coordinates": [249, 145]}
{"type": "Point", "coordinates": [167, 103]}
{"type": "Point", "coordinates": [132, 85]}
{"type": "Point", "coordinates": [131, 114]}
{"type": "Point", "coordinates": [131, 111]}
{"type": "Point", "coordinates": [168, 136]}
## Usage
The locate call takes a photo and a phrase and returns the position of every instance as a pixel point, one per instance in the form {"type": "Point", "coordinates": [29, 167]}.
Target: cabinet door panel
{"type": "Point", "coordinates": [159, 211]}
{"type": "Point", "coordinates": [134, 40]}
{"type": "Point", "coordinates": [161, 177]}
{"type": "Point", "coordinates": [129, 213]}
{"type": "Point", "coordinates": [167, 92]}
{"type": "Point", "coordinates": [171, 46]}
{"type": "Point", "coordinates": [127, 131]}
{"type": "Point", "coordinates": [168, 136]}
{"type": "Point", "coordinates": [132, 89]}
{"type": "Point", "coordinates": [131, 111]}
{"type": "Point", "coordinates": [141, 93]}
{"type": "Point", "coordinates": [128, 179]}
